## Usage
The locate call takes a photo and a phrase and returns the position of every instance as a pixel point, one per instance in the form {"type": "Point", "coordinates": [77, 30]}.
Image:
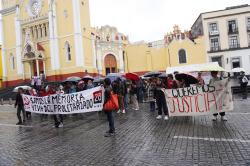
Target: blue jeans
{"type": "Point", "coordinates": [152, 106]}
{"type": "Point", "coordinates": [126, 101]}
{"type": "Point", "coordinates": [111, 121]}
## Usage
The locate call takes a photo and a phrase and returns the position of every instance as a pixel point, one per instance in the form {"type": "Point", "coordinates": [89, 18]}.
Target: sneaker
{"type": "Point", "coordinates": [158, 117]}
{"type": "Point", "coordinates": [60, 125]}
{"type": "Point", "coordinates": [19, 123]}
{"type": "Point", "coordinates": [223, 118]}
{"type": "Point", "coordinates": [166, 117]}
{"type": "Point", "coordinates": [123, 111]}
{"type": "Point", "coordinates": [119, 111]}
{"type": "Point", "coordinates": [109, 134]}
{"type": "Point", "coordinates": [214, 118]}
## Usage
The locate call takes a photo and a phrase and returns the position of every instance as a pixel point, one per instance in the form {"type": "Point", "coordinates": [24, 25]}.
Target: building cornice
{"type": "Point", "coordinates": [35, 20]}
{"type": "Point", "coordinates": [227, 50]}
{"type": "Point", "coordinates": [8, 10]}
{"type": "Point", "coordinates": [226, 15]}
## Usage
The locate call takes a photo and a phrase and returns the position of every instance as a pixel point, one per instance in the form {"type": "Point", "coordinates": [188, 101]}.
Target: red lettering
{"type": "Point", "coordinates": [197, 103]}
{"type": "Point", "coordinates": [179, 106]}
{"type": "Point", "coordinates": [210, 101]}
{"type": "Point", "coordinates": [185, 102]}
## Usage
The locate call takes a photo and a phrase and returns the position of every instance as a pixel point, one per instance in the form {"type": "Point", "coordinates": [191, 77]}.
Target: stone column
{"type": "Point", "coordinates": [44, 68]}
{"type": "Point", "coordinates": [121, 61]}
{"type": "Point", "coordinates": [37, 68]}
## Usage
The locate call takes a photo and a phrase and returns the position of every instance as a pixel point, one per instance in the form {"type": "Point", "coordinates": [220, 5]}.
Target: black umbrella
{"type": "Point", "coordinates": [98, 79]}
{"type": "Point", "coordinates": [87, 77]}
{"type": "Point", "coordinates": [163, 75]}
{"type": "Point", "coordinates": [72, 79]}
{"type": "Point", "coordinates": [189, 79]}
{"type": "Point", "coordinates": [152, 74]}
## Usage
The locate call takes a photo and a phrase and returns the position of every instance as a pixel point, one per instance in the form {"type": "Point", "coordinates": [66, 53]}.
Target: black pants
{"type": "Point", "coordinates": [56, 120]}
{"type": "Point", "coordinates": [221, 114]}
{"type": "Point", "coordinates": [162, 105]}
{"type": "Point", "coordinates": [19, 110]}
{"type": "Point", "coordinates": [28, 114]}
{"type": "Point", "coordinates": [244, 91]}
{"type": "Point", "coordinates": [111, 121]}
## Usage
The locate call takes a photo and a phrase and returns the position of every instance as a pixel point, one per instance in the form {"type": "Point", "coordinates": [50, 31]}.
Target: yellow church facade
{"type": "Point", "coordinates": [1, 68]}
{"type": "Point", "coordinates": [45, 36]}
{"type": "Point", "coordinates": [176, 49]}
{"type": "Point", "coordinates": [56, 39]}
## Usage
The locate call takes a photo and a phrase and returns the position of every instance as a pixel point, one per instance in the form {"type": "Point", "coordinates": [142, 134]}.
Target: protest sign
{"type": "Point", "coordinates": [200, 100]}
{"type": "Point", "coordinates": [86, 101]}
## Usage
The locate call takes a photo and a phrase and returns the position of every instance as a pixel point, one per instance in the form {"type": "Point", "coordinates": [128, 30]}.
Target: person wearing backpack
{"type": "Point", "coordinates": [243, 84]}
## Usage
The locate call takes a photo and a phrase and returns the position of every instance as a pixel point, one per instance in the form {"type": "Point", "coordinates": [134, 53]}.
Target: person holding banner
{"type": "Point", "coordinates": [215, 78]}
{"type": "Point", "coordinates": [160, 100]}
{"type": "Point", "coordinates": [20, 107]}
{"type": "Point", "coordinates": [51, 91]}
{"type": "Point", "coordinates": [110, 118]}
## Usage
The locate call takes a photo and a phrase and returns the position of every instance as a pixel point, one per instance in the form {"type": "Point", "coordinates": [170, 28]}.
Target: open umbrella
{"type": "Point", "coordinates": [25, 87]}
{"type": "Point", "coordinates": [72, 79]}
{"type": "Point", "coordinates": [98, 79]}
{"type": "Point", "coordinates": [238, 70]}
{"type": "Point", "coordinates": [132, 76]}
{"type": "Point", "coordinates": [114, 76]}
{"type": "Point", "coordinates": [163, 75]}
{"type": "Point", "coordinates": [187, 78]}
{"type": "Point", "coordinates": [87, 77]}
{"type": "Point", "coordinates": [152, 74]}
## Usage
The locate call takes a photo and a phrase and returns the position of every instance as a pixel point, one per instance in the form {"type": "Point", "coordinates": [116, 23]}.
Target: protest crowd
{"type": "Point", "coordinates": [125, 91]}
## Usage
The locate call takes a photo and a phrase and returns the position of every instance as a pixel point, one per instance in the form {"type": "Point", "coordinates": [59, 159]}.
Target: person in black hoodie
{"type": "Point", "coordinates": [20, 107]}
{"type": "Point", "coordinates": [160, 100]}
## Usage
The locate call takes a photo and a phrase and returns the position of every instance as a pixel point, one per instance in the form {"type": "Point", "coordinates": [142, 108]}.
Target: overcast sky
{"type": "Point", "coordinates": [149, 20]}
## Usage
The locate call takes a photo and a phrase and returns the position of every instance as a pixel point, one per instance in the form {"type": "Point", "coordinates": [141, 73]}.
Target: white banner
{"type": "Point", "coordinates": [86, 101]}
{"type": "Point", "coordinates": [200, 100]}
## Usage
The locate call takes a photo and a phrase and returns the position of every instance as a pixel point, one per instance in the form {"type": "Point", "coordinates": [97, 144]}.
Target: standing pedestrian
{"type": "Point", "coordinates": [121, 93]}
{"type": "Point", "coordinates": [126, 95]}
{"type": "Point", "coordinates": [109, 113]}
{"type": "Point", "coordinates": [51, 91]}
{"type": "Point", "coordinates": [160, 100]}
{"type": "Point", "coordinates": [200, 79]}
{"type": "Point", "coordinates": [243, 84]}
{"type": "Point", "coordinates": [20, 107]}
{"type": "Point", "coordinates": [133, 94]}
{"type": "Point", "coordinates": [214, 79]}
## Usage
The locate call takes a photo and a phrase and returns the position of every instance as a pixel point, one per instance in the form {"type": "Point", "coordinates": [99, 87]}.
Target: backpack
{"type": "Point", "coordinates": [244, 79]}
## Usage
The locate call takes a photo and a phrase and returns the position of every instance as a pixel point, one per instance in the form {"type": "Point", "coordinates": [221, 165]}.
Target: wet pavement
{"type": "Point", "coordinates": [140, 140]}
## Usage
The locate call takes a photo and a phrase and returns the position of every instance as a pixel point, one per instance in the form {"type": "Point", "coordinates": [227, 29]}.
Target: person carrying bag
{"type": "Point", "coordinates": [110, 105]}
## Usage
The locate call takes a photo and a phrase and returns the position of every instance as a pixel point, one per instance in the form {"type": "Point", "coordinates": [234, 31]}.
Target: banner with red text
{"type": "Point", "coordinates": [200, 100]}
{"type": "Point", "coordinates": [86, 101]}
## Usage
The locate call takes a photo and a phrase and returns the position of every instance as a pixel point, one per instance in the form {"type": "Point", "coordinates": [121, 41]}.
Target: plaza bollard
{"type": "Point", "coordinates": [1, 101]}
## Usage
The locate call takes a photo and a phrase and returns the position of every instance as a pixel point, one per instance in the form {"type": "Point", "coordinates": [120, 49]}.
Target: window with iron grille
{"type": "Point", "coordinates": [214, 44]}
{"type": "Point", "coordinates": [233, 41]}
{"type": "Point", "coordinates": [232, 27]}
{"type": "Point", "coordinates": [182, 56]}
{"type": "Point", "coordinates": [213, 27]}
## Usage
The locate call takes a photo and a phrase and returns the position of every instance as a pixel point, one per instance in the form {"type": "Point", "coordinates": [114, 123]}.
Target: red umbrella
{"type": "Point", "coordinates": [132, 76]}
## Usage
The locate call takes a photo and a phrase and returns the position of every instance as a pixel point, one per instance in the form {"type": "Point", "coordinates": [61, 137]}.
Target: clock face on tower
{"type": "Point", "coordinates": [35, 7]}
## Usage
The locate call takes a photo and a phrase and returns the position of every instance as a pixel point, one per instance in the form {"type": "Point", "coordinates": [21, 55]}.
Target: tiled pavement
{"type": "Point", "coordinates": [140, 140]}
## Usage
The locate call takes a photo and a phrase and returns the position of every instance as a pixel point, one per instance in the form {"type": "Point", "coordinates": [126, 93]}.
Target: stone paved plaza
{"type": "Point", "coordinates": [140, 140]}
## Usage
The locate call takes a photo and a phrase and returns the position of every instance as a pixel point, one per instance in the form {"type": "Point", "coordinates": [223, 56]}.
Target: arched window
{"type": "Point", "coordinates": [67, 51]}
{"type": "Point", "coordinates": [182, 56]}
{"type": "Point", "coordinates": [12, 62]}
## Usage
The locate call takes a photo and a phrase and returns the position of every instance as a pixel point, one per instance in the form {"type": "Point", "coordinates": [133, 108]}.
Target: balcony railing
{"type": "Point", "coordinates": [214, 49]}
{"type": "Point", "coordinates": [214, 33]}
{"type": "Point", "coordinates": [233, 31]}
{"type": "Point", "coordinates": [234, 46]}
